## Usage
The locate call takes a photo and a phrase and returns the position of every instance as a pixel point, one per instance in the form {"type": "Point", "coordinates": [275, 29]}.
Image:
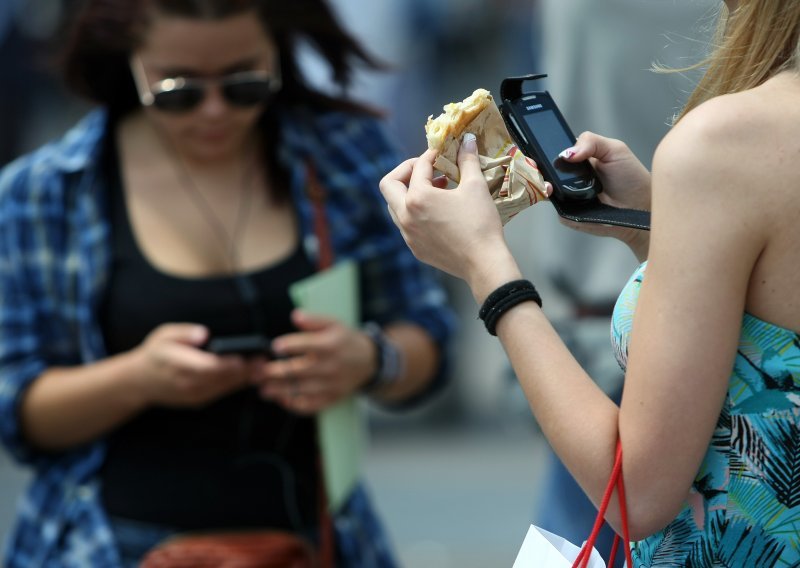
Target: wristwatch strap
{"type": "Point", "coordinates": [390, 359]}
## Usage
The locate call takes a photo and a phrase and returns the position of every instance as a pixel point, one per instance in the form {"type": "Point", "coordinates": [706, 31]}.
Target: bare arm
{"type": "Point", "coordinates": [683, 342]}
{"type": "Point", "coordinates": [67, 407]}
{"type": "Point", "coordinates": [705, 241]}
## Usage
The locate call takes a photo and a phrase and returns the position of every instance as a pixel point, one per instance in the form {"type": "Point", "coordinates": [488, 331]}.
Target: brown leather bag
{"type": "Point", "coordinates": [255, 549]}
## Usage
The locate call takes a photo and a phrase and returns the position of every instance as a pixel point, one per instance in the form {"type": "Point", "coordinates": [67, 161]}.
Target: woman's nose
{"type": "Point", "coordinates": [214, 103]}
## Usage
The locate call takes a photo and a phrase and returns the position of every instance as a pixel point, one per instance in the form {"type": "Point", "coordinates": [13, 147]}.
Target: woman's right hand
{"type": "Point", "coordinates": [174, 371]}
{"type": "Point", "coordinates": [626, 183]}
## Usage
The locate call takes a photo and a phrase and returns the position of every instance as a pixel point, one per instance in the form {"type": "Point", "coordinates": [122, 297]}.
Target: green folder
{"type": "Point", "coordinates": [341, 428]}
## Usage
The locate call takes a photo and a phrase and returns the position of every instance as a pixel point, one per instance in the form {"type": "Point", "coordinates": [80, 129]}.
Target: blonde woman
{"type": "Point", "coordinates": [710, 416]}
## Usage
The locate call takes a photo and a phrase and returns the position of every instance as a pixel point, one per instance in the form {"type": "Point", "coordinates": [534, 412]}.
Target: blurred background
{"type": "Point", "coordinates": [458, 481]}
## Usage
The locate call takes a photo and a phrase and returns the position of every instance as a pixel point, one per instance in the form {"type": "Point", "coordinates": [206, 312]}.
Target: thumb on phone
{"type": "Point", "coordinates": [590, 145]}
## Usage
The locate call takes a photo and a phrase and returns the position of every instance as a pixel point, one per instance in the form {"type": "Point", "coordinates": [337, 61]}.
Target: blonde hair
{"type": "Point", "coordinates": [754, 42]}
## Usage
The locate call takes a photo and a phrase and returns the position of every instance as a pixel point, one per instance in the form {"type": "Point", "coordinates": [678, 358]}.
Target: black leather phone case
{"type": "Point", "coordinates": [594, 211]}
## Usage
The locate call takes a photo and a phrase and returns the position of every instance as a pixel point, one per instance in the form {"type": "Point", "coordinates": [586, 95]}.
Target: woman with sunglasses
{"type": "Point", "coordinates": [176, 215]}
{"type": "Point", "coordinates": [708, 327]}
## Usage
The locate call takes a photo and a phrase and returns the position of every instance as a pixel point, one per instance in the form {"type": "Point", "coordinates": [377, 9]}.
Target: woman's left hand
{"type": "Point", "coordinates": [318, 365]}
{"type": "Point", "coordinates": [456, 230]}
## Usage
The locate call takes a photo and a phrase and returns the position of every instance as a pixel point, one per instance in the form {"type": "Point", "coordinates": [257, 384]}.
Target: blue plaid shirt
{"type": "Point", "coordinates": [54, 264]}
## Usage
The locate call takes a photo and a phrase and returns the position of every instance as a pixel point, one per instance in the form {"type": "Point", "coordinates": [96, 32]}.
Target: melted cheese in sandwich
{"type": "Point", "coordinates": [455, 118]}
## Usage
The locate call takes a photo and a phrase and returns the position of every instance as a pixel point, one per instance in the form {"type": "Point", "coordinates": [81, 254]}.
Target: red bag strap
{"type": "Point", "coordinates": [316, 193]}
{"type": "Point", "coordinates": [614, 481]}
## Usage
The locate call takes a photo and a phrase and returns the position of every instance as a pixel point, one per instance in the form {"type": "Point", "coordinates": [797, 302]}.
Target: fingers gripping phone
{"type": "Point", "coordinates": [540, 131]}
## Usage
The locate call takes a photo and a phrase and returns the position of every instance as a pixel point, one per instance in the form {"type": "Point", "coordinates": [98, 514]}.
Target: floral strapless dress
{"type": "Point", "coordinates": [743, 509]}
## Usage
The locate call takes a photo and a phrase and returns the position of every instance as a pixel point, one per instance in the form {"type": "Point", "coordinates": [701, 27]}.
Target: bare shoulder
{"type": "Point", "coordinates": [735, 144]}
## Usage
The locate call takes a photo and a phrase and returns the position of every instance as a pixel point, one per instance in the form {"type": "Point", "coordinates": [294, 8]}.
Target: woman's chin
{"type": "Point", "coordinates": [212, 147]}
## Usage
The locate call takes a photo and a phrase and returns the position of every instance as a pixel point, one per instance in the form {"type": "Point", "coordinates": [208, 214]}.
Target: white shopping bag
{"type": "Point", "coordinates": [543, 549]}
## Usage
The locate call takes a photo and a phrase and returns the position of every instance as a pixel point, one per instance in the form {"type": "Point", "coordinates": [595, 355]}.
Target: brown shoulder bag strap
{"type": "Point", "coordinates": [316, 193]}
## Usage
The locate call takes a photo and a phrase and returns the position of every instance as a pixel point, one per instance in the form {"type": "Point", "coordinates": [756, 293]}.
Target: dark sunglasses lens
{"type": "Point", "coordinates": [178, 100]}
{"type": "Point", "coordinates": [247, 93]}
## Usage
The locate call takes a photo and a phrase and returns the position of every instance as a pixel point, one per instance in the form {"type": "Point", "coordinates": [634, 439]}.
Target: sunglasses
{"type": "Point", "coordinates": [181, 94]}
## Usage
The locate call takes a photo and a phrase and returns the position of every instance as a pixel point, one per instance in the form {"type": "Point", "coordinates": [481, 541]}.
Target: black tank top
{"type": "Point", "coordinates": [237, 462]}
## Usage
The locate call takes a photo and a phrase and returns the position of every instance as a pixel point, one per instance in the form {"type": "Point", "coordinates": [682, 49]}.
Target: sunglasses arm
{"type": "Point", "coordinates": [140, 79]}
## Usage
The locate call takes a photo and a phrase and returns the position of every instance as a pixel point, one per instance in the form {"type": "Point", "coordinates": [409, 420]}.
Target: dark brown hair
{"type": "Point", "coordinates": [95, 61]}
{"type": "Point", "coordinates": [105, 32]}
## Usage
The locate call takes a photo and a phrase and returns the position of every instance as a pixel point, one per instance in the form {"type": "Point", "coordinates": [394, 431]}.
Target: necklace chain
{"type": "Point", "coordinates": [228, 241]}
{"type": "Point", "coordinates": [245, 288]}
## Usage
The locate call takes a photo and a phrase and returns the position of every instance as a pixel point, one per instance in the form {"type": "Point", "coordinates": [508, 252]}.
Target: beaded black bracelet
{"type": "Point", "coordinates": [503, 299]}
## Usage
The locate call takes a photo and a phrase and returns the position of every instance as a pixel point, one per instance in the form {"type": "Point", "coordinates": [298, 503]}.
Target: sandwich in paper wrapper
{"type": "Point", "coordinates": [514, 180]}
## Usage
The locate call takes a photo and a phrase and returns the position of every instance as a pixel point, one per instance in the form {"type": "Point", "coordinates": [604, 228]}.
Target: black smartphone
{"type": "Point", "coordinates": [542, 133]}
{"type": "Point", "coordinates": [244, 345]}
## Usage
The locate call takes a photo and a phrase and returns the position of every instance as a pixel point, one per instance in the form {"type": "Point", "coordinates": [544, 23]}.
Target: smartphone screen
{"type": "Point", "coordinates": [554, 139]}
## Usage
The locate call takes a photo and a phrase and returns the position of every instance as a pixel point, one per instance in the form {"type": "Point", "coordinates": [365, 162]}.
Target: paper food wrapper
{"type": "Point", "coordinates": [514, 180]}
